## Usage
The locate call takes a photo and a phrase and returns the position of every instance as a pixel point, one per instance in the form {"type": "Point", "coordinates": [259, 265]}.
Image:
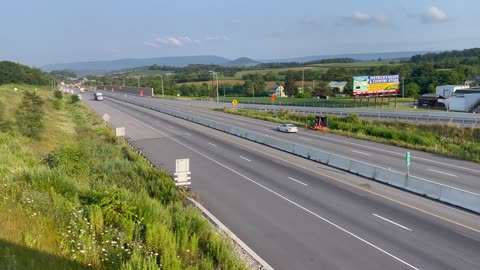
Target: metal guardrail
{"type": "Point", "coordinates": [451, 195]}
{"type": "Point", "coordinates": [428, 117]}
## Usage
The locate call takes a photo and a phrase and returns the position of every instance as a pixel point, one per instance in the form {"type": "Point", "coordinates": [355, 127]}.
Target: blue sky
{"type": "Point", "coordinates": [37, 32]}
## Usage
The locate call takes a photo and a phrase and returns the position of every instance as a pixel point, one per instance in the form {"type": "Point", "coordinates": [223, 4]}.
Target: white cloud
{"type": "Point", "coordinates": [364, 18]}
{"type": "Point", "coordinates": [179, 41]}
{"type": "Point", "coordinates": [217, 38]}
{"type": "Point", "coordinates": [182, 41]}
{"type": "Point", "coordinates": [434, 15]}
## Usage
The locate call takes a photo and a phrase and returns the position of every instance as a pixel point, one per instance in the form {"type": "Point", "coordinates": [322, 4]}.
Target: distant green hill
{"type": "Point", "coordinates": [241, 62]}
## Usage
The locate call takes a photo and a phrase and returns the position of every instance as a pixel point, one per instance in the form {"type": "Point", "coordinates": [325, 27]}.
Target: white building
{"type": "Point", "coordinates": [277, 90]}
{"type": "Point", "coordinates": [463, 100]}
{"type": "Point", "coordinates": [448, 90]}
{"type": "Point", "coordinates": [336, 84]}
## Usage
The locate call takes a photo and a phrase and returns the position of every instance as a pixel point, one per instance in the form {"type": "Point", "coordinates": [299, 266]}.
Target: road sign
{"type": "Point", "coordinates": [182, 172]}
{"type": "Point", "coordinates": [141, 93]}
{"type": "Point", "coordinates": [234, 102]}
{"type": "Point", "coordinates": [273, 97]}
{"type": "Point", "coordinates": [106, 117]}
{"type": "Point", "coordinates": [120, 131]}
{"type": "Point", "coordinates": [408, 159]}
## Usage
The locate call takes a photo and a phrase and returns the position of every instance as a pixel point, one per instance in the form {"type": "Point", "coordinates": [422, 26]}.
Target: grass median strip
{"type": "Point", "coordinates": [444, 139]}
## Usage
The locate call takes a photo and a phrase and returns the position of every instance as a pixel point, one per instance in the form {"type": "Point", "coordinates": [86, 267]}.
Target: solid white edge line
{"type": "Point", "coordinates": [357, 160]}
{"type": "Point", "coordinates": [401, 226]}
{"type": "Point", "coordinates": [186, 133]}
{"type": "Point", "coordinates": [235, 238]}
{"type": "Point", "coordinates": [383, 150]}
{"type": "Point", "coordinates": [245, 158]}
{"type": "Point", "coordinates": [293, 179]}
{"type": "Point", "coordinates": [277, 194]}
{"type": "Point", "coordinates": [362, 153]}
{"type": "Point", "coordinates": [212, 144]}
{"type": "Point", "coordinates": [400, 154]}
{"type": "Point", "coordinates": [305, 139]}
{"type": "Point", "coordinates": [452, 175]}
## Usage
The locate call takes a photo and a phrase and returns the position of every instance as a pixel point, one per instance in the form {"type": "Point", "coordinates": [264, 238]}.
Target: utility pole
{"type": "Point", "coordinates": [253, 94]}
{"type": "Point", "coordinates": [216, 76]}
{"type": "Point", "coordinates": [403, 87]}
{"type": "Point", "coordinates": [138, 81]}
{"type": "Point", "coordinates": [313, 86]}
{"type": "Point", "coordinates": [163, 93]}
{"type": "Point", "coordinates": [303, 76]}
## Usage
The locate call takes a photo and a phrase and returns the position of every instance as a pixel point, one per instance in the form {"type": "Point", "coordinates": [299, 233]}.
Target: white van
{"type": "Point", "coordinates": [98, 96]}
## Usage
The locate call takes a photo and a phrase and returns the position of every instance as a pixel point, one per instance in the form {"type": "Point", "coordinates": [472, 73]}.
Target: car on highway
{"type": "Point", "coordinates": [98, 96]}
{"type": "Point", "coordinates": [287, 128]}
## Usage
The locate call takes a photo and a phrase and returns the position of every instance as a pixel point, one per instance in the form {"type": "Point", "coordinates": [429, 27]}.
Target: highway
{"type": "Point", "coordinates": [448, 171]}
{"type": "Point", "coordinates": [418, 116]}
{"type": "Point", "coordinates": [298, 214]}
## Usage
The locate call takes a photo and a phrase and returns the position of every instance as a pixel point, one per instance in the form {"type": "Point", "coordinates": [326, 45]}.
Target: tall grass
{"type": "Point", "coordinates": [444, 139]}
{"type": "Point", "coordinates": [84, 200]}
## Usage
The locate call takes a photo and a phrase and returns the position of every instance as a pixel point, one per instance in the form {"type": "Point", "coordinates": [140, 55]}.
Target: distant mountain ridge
{"type": "Point", "coordinates": [356, 56]}
{"type": "Point", "coordinates": [101, 67]}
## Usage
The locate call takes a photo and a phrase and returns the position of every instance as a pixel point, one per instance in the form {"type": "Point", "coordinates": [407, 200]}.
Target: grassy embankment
{"type": "Point", "coordinates": [73, 196]}
{"type": "Point", "coordinates": [337, 102]}
{"type": "Point", "coordinates": [448, 140]}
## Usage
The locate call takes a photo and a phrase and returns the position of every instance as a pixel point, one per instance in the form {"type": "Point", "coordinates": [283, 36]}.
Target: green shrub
{"type": "Point", "coordinates": [140, 261]}
{"type": "Point", "coordinates": [30, 115]}
{"type": "Point", "coordinates": [57, 104]}
{"type": "Point", "coordinates": [74, 99]}
{"type": "Point", "coordinates": [57, 94]}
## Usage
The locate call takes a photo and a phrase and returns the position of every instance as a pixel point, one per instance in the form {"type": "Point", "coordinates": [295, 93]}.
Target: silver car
{"type": "Point", "coordinates": [287, 128]}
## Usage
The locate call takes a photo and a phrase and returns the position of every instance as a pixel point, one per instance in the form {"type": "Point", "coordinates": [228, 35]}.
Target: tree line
{"type": "Point", "coordinates": [11, 72]}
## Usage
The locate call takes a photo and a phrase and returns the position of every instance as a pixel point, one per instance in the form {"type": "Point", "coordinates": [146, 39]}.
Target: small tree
{"type": "Point", "coordinates": [290, 85]}
{"type": "Point", "coordinates": [30, 115]}
{"type": "Point", "coordinates": [57, 94]}
{"type": "Point", "coordinates": [412, 90]}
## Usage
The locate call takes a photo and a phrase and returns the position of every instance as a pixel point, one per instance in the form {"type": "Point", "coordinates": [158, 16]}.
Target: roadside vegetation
{"type": "Point", "coordinates": [448, 140]}
{"type": "Point", "coordinates": [420, 75]}
{"type": "Point", "coordinates": [74, 196]}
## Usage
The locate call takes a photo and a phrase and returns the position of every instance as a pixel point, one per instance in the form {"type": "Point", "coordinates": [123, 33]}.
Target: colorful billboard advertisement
{"type": "Point", "coordinates": [369, 85]}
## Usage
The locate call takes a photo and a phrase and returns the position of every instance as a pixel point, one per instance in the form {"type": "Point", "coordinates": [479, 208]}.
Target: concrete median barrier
{"type": "Point", "coordinates": [339, 162]}
{"type": "Point", "coordinates": [420, 186]}
{"type": "Point", "coordinates": [457, 197]}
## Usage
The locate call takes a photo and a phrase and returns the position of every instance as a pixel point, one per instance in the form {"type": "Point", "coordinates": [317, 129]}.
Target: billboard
{"type": "Point", "coordinates": [369, 85]}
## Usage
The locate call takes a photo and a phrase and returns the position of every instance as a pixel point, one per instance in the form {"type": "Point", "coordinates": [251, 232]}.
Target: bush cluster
{"type": "Point", "coordinates": [30, 115]}
{"type": "Point", "coordinates": [110, 209]}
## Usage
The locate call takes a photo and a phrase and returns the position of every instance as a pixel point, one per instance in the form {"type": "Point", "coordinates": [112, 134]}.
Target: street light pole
{"type": "Point", "coordinates": [163, 94]}
{"type": "Point", "coordinates": [313, 86]}
{"type": "Point", "coordinates": [138, 81]}
{"type": "Point", "coordinates": [303, 76]}
{"type": "Point", "coordinates": [253, 92]}
{"type": "Point", "coordinates": [216, 76]}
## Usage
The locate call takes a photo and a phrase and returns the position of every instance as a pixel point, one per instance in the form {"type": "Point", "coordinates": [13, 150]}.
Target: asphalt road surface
{"type": "Point", "coordinates": [298, 214]}
{"type": "Point", "coordinates": [440, 169]}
